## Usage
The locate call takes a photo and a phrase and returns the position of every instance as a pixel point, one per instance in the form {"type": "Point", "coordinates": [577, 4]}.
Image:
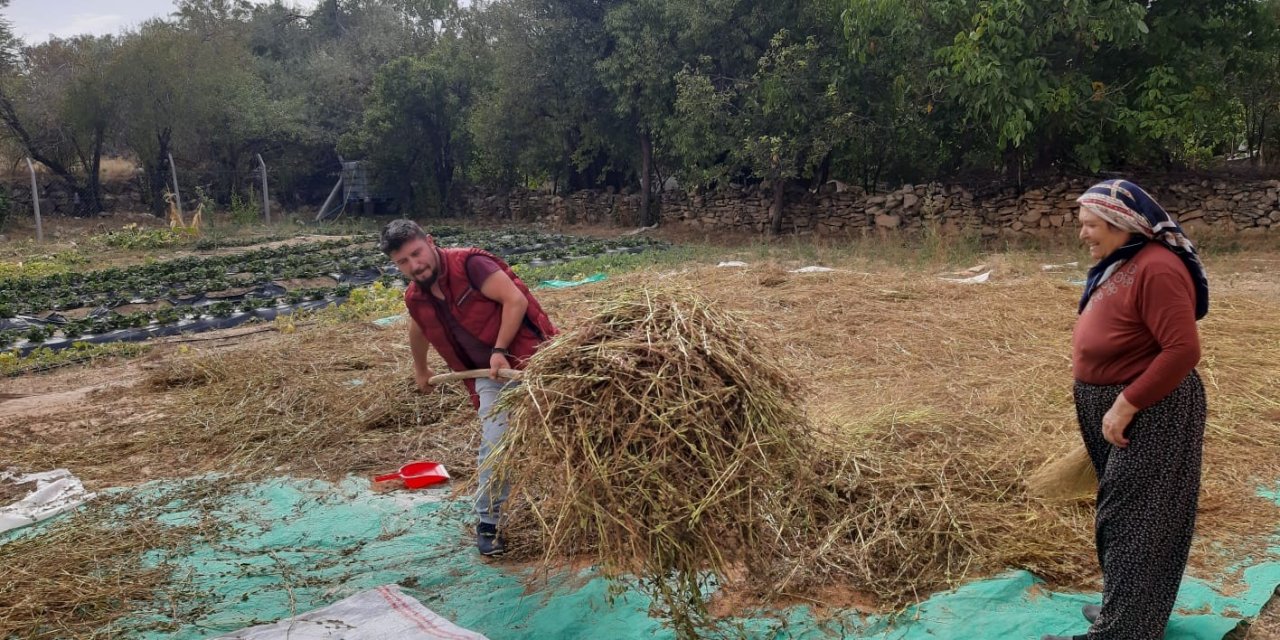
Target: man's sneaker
{"type": "Point", "coordinates": [487, 540]}
{"type": "Point", "coordinates": [1091, 612]}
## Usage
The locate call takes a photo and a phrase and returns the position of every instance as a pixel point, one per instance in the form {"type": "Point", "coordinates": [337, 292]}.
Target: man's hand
{"type": "Point", "coordinates": [1116, 420]}
{"type": "Point", "coordinates": [423, 380]}
{"type": "Point", "coordinates": [497, 361]}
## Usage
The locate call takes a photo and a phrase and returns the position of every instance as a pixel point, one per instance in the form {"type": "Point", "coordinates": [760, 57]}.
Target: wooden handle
{"type": "Point", "coordinates": [510, 374]}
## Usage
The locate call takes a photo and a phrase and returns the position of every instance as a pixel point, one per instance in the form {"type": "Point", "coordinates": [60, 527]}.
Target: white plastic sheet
{"type": "Point", "coordinates": [1059, 267]}
{"type": "Point", "coordinates": [978, 279]}
{"type": "Point", "coordinates": [377, 614]}
{"type": "Point", "coordinates": [56, 491]}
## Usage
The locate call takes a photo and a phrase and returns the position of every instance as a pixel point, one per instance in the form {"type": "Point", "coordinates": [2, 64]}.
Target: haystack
{"type": "Point", "coordinates": [661, 437]}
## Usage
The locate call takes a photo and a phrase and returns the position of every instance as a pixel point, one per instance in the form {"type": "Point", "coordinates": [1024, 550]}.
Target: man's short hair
{"type": "Point", "coordinates": [397, 233]}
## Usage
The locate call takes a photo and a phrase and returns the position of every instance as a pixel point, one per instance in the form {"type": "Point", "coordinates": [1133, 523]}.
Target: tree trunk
{"type": "Point", "coordinates": [444, 175]}
{"type": "Point", "coordinates": [824, 171]}
{"type": "Point", "coordinates": [775, 209]}
{"type": "Point", "coordinates": [93, 190]}
{"type": "Point", "coordinates": [158, 176]}
{"type": "Point", "coordinates": [1262, 139]}
{"type": "Point", "coordinates": [648, 213]}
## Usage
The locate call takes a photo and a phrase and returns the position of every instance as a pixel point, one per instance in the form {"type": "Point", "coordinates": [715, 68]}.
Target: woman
{"type": "Point", "coordinates": [1140, 403]}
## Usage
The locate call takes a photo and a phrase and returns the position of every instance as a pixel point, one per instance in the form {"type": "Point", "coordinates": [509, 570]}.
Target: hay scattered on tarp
{"type": "Point", "coordinates": [76, 575]}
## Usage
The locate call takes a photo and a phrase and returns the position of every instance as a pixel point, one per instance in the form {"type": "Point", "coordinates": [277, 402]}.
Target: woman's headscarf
{"type": "Point", "coordinates": [1127, 207]}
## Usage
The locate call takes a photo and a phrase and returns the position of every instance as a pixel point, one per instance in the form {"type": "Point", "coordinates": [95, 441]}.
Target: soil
{"type": "Point", "coordinates": [306, 283]}
{"type": "Point", "coordinates": [71, 404]}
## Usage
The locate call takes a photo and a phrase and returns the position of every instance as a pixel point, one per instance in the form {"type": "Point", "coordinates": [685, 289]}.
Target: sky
{"type": "Point", "coordinates": [35, 20]}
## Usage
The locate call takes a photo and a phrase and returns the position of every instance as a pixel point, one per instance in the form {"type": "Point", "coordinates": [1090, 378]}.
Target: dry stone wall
{"type": "Point", "coordinates": [836, 209]}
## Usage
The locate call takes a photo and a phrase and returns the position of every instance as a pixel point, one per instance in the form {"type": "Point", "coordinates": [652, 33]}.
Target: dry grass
{"type": "Point", "coordinates": [322, 402]}
{"type": "Point", "coordinates": [327, 401]}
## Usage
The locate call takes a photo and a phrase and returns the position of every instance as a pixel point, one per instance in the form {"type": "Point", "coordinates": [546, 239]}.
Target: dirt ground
{"type": "Point", "coordinates": [65, 407]}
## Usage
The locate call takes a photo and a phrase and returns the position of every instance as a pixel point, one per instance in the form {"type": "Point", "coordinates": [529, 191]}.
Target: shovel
{"type": "Point", "coordinates": [510, 374]}
{"type": "Point", "coordinates": [417, 475]}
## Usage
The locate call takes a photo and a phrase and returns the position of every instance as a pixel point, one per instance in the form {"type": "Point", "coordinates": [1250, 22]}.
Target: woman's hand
{"type": "Point", "coordinates": [1117, 420]}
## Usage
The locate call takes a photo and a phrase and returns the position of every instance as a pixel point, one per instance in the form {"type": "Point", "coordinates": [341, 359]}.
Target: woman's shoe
{"type": "Point", "coordinates": [1091, 612]}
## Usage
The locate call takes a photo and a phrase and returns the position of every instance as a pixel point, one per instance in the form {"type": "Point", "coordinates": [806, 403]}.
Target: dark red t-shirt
{"type": "Point", "coordinates": [474, 353]}
{"type": "Point", "coordinates": [1139, 328]}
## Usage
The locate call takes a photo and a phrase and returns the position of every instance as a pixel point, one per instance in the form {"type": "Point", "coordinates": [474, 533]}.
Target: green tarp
{"type": "Point", "coordinates": [565, 284]}
{"type": "Point", "coordinates": [296, 545]}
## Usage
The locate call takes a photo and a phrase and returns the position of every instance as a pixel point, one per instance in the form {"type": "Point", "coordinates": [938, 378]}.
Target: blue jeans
{"type": "Point", "coordinates": [489, 499]}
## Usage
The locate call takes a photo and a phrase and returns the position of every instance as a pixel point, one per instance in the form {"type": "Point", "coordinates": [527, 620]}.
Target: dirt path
{"type": "Point", "coordinates": [60, 397]}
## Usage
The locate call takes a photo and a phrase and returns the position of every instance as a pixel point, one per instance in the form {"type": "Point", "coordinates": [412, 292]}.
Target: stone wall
{"type": "Point", "coordinates": [56, 199]}
{"type": "Point", "coordinates": [836, 209]}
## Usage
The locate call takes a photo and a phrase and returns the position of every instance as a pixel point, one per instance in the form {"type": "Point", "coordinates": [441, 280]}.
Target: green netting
{"type": "Point", "coordinates": [296, 545]}
{"type": "Point", "coordinates": [566, 284]}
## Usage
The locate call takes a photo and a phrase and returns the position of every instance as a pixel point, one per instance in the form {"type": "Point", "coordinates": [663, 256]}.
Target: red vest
{"type": "Point", "coordinates": [478, 315]}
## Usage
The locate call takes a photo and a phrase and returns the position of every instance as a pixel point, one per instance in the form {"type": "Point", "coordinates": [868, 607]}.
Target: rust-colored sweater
{"type": "Point", "coordinates": [1139, 328]}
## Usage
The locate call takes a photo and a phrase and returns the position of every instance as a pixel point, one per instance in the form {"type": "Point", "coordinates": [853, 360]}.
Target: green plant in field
{"type": "Point", "coordinates": [37, 333]}
{"type": "Point", "coordinates": [12, 364]}
{"type": "Point", "coordinates": [41, 266]}
{"type": "Point", "coordinates": [133, 237]}
{"type": "Point", "coordinates": [245, 210]}
{"type": "Point", "coordinates": [377, 300]}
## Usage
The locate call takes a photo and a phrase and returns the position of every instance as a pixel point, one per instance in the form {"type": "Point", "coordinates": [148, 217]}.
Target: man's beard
{"type": "Point", "coordinates": [425, 283]}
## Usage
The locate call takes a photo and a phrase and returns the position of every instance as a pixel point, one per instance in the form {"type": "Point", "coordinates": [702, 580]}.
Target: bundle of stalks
{"type": "Point", "coordinates": [660, 435]}
{"type": "Point", "coordinates": [1068, 477]}
{"type": "Point", "coordinates": [303, 403]}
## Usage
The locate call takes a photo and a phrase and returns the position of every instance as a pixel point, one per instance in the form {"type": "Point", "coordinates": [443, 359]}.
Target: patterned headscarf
{"type": "Point", "coordinates": [1127, 207]}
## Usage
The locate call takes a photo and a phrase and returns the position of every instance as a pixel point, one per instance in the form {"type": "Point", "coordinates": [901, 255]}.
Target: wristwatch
{"type": "Point", "coordinates": [499, 350]}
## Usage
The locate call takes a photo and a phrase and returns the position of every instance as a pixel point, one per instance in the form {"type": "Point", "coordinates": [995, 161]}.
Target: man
{"type": "Point", "coordinates": [475, 311]}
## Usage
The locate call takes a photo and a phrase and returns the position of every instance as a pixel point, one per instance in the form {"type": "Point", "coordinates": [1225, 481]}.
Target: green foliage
{"type": "Point", "coordinates": [131, 237]}
{"type": "Point", "coordinates": [413, 129]}
{"type": "Point", "coordinates": [363, 304]}
{"type": "Point", "coordinates": [245, 210]}
{"type": "Point", "coordinates": [569, 94]}
{"type": "Point", "coordinates": [12, 364]}
{"type": "Point", "coordinates": [40, 266]}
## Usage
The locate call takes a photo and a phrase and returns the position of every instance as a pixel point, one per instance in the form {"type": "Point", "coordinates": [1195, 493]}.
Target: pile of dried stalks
{"type": "Point", "coordinates": [661, 435]}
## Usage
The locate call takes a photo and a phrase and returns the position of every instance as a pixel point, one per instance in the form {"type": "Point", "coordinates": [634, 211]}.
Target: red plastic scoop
{"type": "Point", "coordinates": [417, 475]}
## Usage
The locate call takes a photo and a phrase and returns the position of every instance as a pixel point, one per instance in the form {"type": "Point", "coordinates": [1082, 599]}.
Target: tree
{"type": "Point", "coordinates": [546, 115]}
{"type": "Point", "coordinates": [1020, 70]}
{"type": "Point", "coordinates": [640, 73]}
{"type": "Point", "coordinates": [414, 131]}
{"type": "Point", "coordinates": [185, 92]}
{"type": "Point", "coordinates": [59, 109]}
{"type": "Point", "coordinates": [779, 125]}
{"type": "Point", "coordinates": [1254, 77]}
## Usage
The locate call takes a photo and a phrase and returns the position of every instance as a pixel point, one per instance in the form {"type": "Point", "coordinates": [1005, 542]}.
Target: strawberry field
{"type": "Point", "coordinates": [202, 292]}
